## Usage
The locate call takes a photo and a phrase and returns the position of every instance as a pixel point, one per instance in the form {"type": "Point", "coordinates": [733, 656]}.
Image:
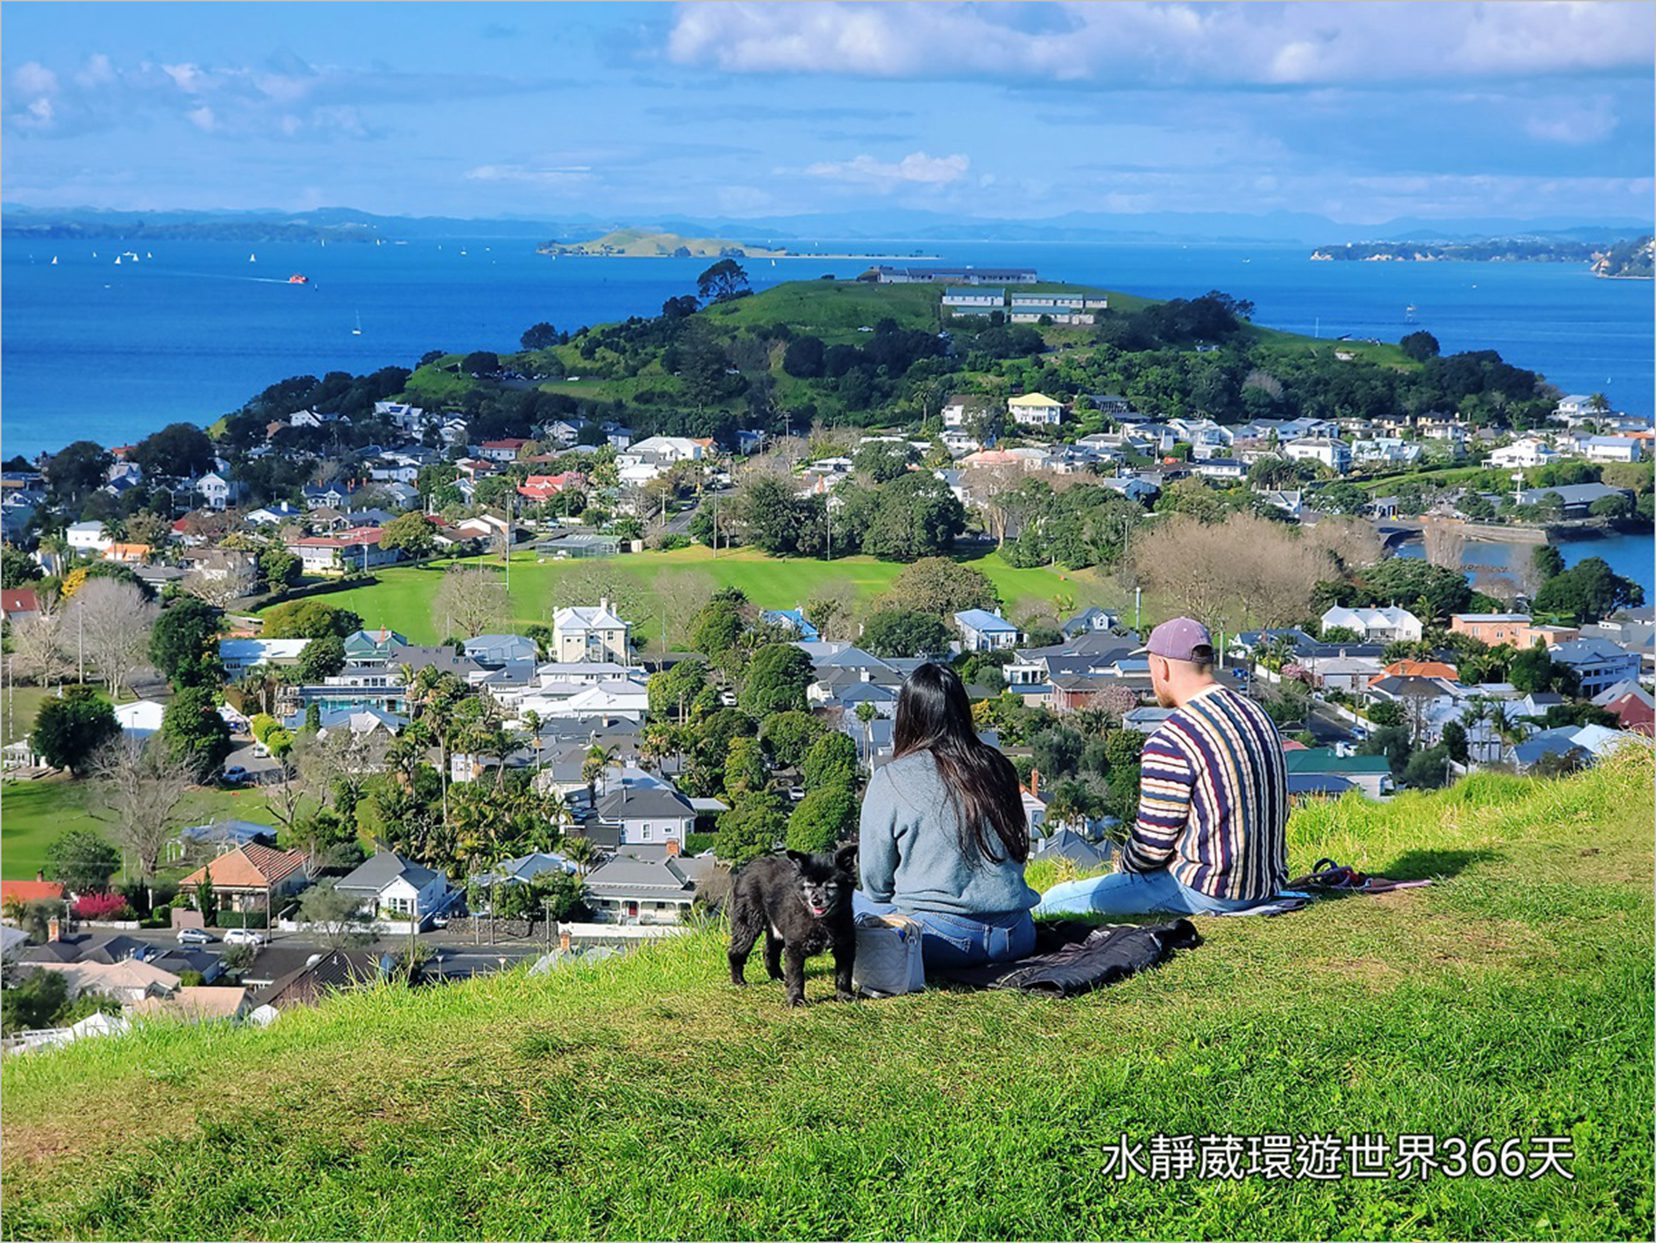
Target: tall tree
{"type": "Point", "coordinates": [722, 281]}
{"type": "Point", "coordinates": [184, 642]}
{"type": "Point", "coordinates": [140, 793]}
{"type": "Point", "coordinates": [111, 622]}
{"type": "Point", "coordinates": [70, 731]}
{"type": "Point", "coordinates": [194, 733]}
{"type": "Point", "coordinates": [470, 601]}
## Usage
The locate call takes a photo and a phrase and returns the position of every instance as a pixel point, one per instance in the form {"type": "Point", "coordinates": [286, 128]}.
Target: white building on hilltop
{"type": "Point", "coordinates": [583, 633]}
{"type": "Point", "coordinates": [1036, 408]}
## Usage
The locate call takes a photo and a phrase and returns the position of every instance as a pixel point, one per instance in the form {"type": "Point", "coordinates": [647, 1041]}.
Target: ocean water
{"type": "Point", "coordinates": [110, 353]}
{"type": "Point", "coordinates": [1628, 553]}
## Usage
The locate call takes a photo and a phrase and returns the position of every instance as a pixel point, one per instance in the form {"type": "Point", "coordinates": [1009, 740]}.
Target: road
{"type": "Point", "coordinates": [457, 955]}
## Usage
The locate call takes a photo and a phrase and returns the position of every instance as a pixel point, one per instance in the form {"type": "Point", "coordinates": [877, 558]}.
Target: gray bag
{"type": "Point", "coordinates": [888, 960]}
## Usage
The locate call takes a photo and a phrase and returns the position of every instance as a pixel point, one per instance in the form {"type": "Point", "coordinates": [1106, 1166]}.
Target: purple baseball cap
{"type": "Point", "coordinates": [1178, 640]}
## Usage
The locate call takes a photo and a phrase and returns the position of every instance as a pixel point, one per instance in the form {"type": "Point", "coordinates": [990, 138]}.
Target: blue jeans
{"type": "Point", "coordinates": [1134, 893]}
{"type": "Point", "coordinates": [961, 940]}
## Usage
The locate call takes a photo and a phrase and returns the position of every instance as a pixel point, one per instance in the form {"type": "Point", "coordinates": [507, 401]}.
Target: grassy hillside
{"type": "Point", "coordinates": [402, 598]}
{"type": "Point", "coordinates": [646, 1098]}
{"type": "Point", "coordinates": [832, 310]}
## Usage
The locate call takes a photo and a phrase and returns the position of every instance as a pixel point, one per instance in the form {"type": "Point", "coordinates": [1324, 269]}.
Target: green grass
{"type": "Point", "coordinates": [33, 813]}
{"type": "Point", "coordinates": [19, 706]}
{"type": "Point", "coordinates": [402, 597]}
{"type": "Point", "coordinates": [646, 1098]}
{"type": "Point", "coordinates": [832, 310]}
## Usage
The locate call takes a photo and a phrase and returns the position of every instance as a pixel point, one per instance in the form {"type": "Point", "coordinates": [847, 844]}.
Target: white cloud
{"type": "Point", "coordinates": [33, 78]}
{"type": "Point", "coordinates": [916, 168]}
{"type": "Point", "coordinates": [1161, 44]}
{"type": "Point", "coordinates": [529, 174]}
{"type": "Point", "coordinates": [202, 118]}
{"type": "Point", "coordinates": [1576, 122]}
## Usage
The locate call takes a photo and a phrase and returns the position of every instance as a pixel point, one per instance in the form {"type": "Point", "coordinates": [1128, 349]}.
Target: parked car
{"type": "Point", "coordinates": [244, 936]}
{"type": "Point", "coordinates": [194, 936]}
{"type": "Point", "coordinates": [235, 774]}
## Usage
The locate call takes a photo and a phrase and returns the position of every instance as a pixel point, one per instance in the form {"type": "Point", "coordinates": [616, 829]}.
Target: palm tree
{"type": "Point", "coordinates": [581, 852]}
{"type": "Point", "coordinates": [597, 760]}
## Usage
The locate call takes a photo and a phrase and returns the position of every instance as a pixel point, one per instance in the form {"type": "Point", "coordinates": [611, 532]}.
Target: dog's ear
{"type": "Point", "coordinates": [798, 857]}
{"type": "Point", "coordinates": [845, 858]}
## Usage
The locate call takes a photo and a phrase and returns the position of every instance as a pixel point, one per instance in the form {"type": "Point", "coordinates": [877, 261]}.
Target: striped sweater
{"type": "Point", "coordinates": [1213, 800]}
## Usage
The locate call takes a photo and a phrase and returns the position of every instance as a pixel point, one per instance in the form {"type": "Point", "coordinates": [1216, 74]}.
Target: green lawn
{"type": "Point", "coordinates": [646, 1098]}
{"type": "Point", "coordinates": [832, 310]}
{"type": "Point", "coordinates": [18, 707]}
{"type": "Point", "coordinates": [402, 598]}
{"type": "Point", "coordinates": [32, 813]}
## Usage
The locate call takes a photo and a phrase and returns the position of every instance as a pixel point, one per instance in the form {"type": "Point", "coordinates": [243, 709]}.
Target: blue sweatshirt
{"type": "Point", "coordinates": [909, 848]}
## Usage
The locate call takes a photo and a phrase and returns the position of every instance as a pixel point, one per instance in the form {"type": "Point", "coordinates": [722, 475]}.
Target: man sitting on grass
{"type": "Point", "coordinates": [1213, 799]}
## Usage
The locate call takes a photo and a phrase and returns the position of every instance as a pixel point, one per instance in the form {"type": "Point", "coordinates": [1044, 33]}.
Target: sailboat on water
{"type": "Point", "coordinates": [357, 331]}
{"type": "Point", "coordinates": [117, 260]}
{"type": "Point", "coordinates": [54, 261]}
{"type": "Point", "coordinates": [251, 258]}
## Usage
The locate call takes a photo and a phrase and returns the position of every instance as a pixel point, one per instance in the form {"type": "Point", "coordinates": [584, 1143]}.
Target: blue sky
{"type": "Point", "coordinates": [1362, 112]}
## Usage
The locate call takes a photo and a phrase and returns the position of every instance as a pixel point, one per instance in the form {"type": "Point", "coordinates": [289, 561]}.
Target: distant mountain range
{"type": "Point", "coordinates": [801, 232]}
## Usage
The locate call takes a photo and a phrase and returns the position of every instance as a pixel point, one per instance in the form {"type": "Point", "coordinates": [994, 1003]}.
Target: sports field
{"type": "Point", "coordinates": [402, 598]}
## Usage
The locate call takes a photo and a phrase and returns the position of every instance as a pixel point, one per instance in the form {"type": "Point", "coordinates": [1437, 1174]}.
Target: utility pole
{"type": "Point", "coordinates": [1138, 608]}
{"type": "Point", "coordinates": [80, 642]}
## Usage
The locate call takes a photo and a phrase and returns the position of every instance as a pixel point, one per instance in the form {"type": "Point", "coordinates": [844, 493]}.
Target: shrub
{"type": "Point", "coordinates": [243, 919]}
{"type": "Point", "coordinates": [674, 539]}
{"type": "Point", "coordinates": [103, 906]}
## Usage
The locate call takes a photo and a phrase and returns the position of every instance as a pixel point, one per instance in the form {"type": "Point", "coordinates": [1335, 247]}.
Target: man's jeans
{"type": "Point", "coordinates": [961, 940]}
{"type": "Point", "coordinates": [1134, 893]}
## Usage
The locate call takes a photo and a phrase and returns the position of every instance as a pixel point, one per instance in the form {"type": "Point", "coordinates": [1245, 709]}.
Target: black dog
{"type": "Point", "coordinates": [802, 903]}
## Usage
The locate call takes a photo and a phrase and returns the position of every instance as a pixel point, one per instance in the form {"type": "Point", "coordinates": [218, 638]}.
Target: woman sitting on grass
{"type": "Point", "coordinates": [944, 837]}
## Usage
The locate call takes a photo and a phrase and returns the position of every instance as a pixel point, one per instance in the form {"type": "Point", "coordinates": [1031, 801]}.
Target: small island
{"type": "Point", "coordinates": [1629, 257]}
{"type": "Point", "coordinates": [655, 244]}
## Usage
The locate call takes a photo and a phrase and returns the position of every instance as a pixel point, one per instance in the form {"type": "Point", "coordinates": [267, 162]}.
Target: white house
{"type": "Point", "coordinates": [1390, 450]}
{"type": "Point", "coordinates": [582, 633]}
{"type": "Point", "coordinates": [217, 491]}
{"type": "Point", "coordinates": [646, 815]}
{"type": "Point", "coordinates": [1036, 408]}
{"type": "Point", "coordinates": [239, 655]}
{"type": "Point", "coordinates": [974, 299]}
{"type": "Point", "coordinates": [983, 631]}
{"type": "Point", "coordinates": [1328, 451]}
{"type": "Point", "coordinates": [357, 549]}
{"type": "Point", "coordinates": [1387, 625]}
{"type": "Point", "coordinates": [1529, 451]}
{"type": "Point", "coordinates": [139, 719]}
{"type": "Point", "coordinates": [389, 886]}
{"type": "Point", "coordinates": [88, 537]}
{"type": "Point", "coordinates": [1613, 449]}
{"type": "Point", "coordinates": [669, 448]}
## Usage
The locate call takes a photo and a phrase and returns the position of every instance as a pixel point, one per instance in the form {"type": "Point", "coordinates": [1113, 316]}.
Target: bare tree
{"type": "Point", "coordinates": [1349, 543]}
{"type": "Point", "coordinates": [679, 596]}
{"type": "Point", "coordinates": [1444, 542]}
{"type": "Point", "coordinates": [590, 581]}
{"type": "Point", "coordinates": [141, 790]}
{"type": "Point", "coordinates": [37, 646]}
{"type": "Point", "coordinates": [111, 620]}
{"type": "Point", "coordinates": [223, 581]}
{"type": "Point", "coordinates": [471, 601]}
{"type": "Point", "coordinates": [1245, 571]}
{"type": "Point", "coordinates": [987, 486]}
{"type": "Point", "coordinates": [329, 761]}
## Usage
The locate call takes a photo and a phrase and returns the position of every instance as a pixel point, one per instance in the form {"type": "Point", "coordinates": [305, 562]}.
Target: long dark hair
{"type": "Point", "coordinates": [933, 714]}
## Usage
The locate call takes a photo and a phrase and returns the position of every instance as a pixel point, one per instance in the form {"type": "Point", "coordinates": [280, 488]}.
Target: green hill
{"type": "Point", "coordinates": [645, 1098]}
